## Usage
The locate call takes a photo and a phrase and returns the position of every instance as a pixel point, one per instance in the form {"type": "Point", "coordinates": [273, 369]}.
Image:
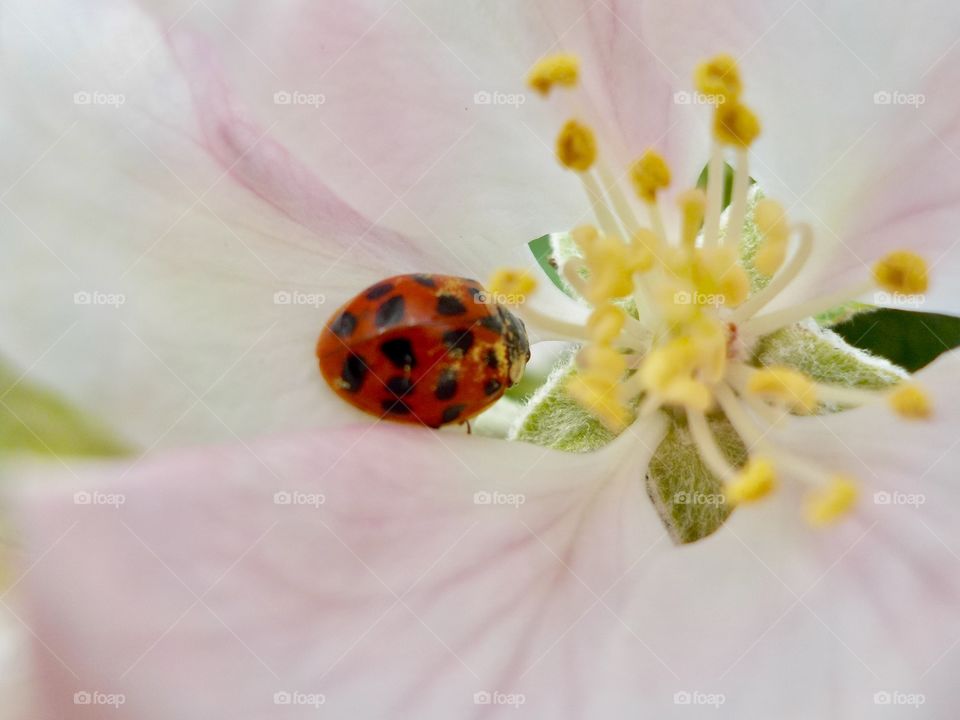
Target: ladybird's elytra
{"type": "Point", "coordinates": [422, 349]}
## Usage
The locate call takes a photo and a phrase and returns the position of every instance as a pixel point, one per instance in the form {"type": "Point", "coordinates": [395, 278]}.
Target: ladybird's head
{"type": "Point", "coordinates": [518, 347]}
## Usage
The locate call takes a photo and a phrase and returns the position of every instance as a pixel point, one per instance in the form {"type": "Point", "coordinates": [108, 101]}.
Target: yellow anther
{"type": "Point", "coordinates": [600, 399]}
{"type": "Point", "coordinates": [650, 174]}
{"type": "Point", "coordinates": [719, 77]}
{"type": "Point", "coordinates": [785, 386]}
{"type": "Point", "coordinates": [911, 402]}
{"type": "Point", "coordinates": [584, 236]}
{"type": "Point", "coordinates": [770, 256]}
{"type": "Point", "coordinates": [736, 124]}
{"type": "Point", "coordinates": [719, 278]}
{"type": "Point", "coordinates": [611, 264]}
{"type": "Point", "coordinates": [771, 220]}
{"type": "Point", "coordinates": [605, 323]}
{"type": "Point", "coordinates": [693, 205]}
{"type": "Point", "coordinates": [710, 339]}
{"type": "Point", "coordinates": [576, 146]}
{"type": "Point", "coordinates": [902, 272]}
{"type": "Point", "coordinates": [560, 69]}
{"type": "Point", "coordinates": [688, 393]}
{"type": "Point", "coordinates": [755, 481]}
{"type": "Point", "coordinates": [510, 286]}
{"type": "Point", "coordinates": [602, 361]}
{"type": "Point", "coordinates": [832, 502]}
{"type": "Point", "coordinates": [645, 247]}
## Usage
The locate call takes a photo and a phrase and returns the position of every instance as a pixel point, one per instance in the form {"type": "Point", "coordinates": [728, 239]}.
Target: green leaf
{"type": "Point", "coordinates": [35, 420]}
{"type": "Point", "coordinates": [906, 338]}
{"type": "Point", "coordinates": [687, 495]}
{"type": "Point", "coordinates": [554, 419]}
{"type": "Point", "coordinates": [825, 357]}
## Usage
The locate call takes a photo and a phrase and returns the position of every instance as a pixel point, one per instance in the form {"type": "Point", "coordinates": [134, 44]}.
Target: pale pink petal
{"type": "Point", "coordinates": [872, 172]}
{"type": "Point", "coordinates": [399, 120]}
{"type": "Point", "coordinates": [176, 201]}
{"type": "Point", "coordinates": [402, 594]}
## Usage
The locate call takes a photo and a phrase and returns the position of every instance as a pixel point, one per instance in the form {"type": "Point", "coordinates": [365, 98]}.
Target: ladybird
{"type": "Point", "coordinates": [422, 349]}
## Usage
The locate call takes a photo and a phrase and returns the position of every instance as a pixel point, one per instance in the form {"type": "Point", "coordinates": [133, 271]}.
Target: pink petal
{"type": "Point", "coordinates": [187, 209]}
{"type": "Point", "coordinates": [870, 177]}
{"type": "Point", "coordinates": [399, 595]}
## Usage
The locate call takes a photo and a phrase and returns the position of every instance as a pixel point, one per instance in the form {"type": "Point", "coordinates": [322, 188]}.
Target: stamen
{"type": "Point", "coordinates": [708, 448]}
{"type": "Point", "coordinates": [785, 386]}
{"type": "Point", "coordinates": [650, 174]}
{"type": "Point", "coordinates": [738, 203]}
{"type": "Point", "coordinates": [832, 502]}
{"type": "Point", "coordinates": [719, 77]}
{"type": "Point", "coordinates": [693, 205]}
{"type": "Point", "coordinates": [512, 285]}
{"type": "Point", "coordinates": [576, 146]}
{"type": "Point", "coordinates": [902, 272]}
{"type": "Point", "coordinates": [755, 481]}
{"type": "Point", "coordinates": [783, 278]}
{"type": "Point", "coordinates": [736, 124]}
{"type": "Point", "coordinates": [606, 323]}
{"type": "Point", "coordinates": [715, 182]}
{"type": "Point", "coordinates": [560, 69]}
{"type": "Point", "coordinates": [771, 221]}
{"type": "Point", "coordinates": [911, 402]}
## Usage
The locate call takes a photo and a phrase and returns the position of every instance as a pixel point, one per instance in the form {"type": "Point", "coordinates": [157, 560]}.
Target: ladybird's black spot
{"type": "Point", "coordinates": [492, 322]}
{"type": "Point", "coordinates": [492, 387]}
{"type": "Point", "coordinates": [397, 407]}
{"type": "Point", "coordinates": [459, 339]}
{"type": "Point", "coordinates": [493, 362]}
{"type": "Point", "coordinates": [452, 413]}
{"type": "Point", "coordinates": [399, 385]}
{"type": "Point", "coordinates": [446, 385]}
{"type": "Point", "coordinates": [390, 312]}
{"type": "Point", "coordinates": [399, 351]}
{"type": "Point", "coordinates": [378, 291]}
{"type": "Point", "coordinates": [354, 372]}
{"type": "Point", "coordinates": [450, 305]}
{"type": "Point", "coordinates": [425, 280]}
{"type": "Point", "coordinates": [344, 325]}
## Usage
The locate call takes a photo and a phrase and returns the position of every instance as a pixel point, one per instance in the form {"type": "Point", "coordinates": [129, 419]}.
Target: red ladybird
{"type": "Point", "coordinates": [422, 349]}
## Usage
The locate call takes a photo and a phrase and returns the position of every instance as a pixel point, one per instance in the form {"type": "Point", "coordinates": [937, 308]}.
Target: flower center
{"type": "Point", "coordinates": [676, 313]}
